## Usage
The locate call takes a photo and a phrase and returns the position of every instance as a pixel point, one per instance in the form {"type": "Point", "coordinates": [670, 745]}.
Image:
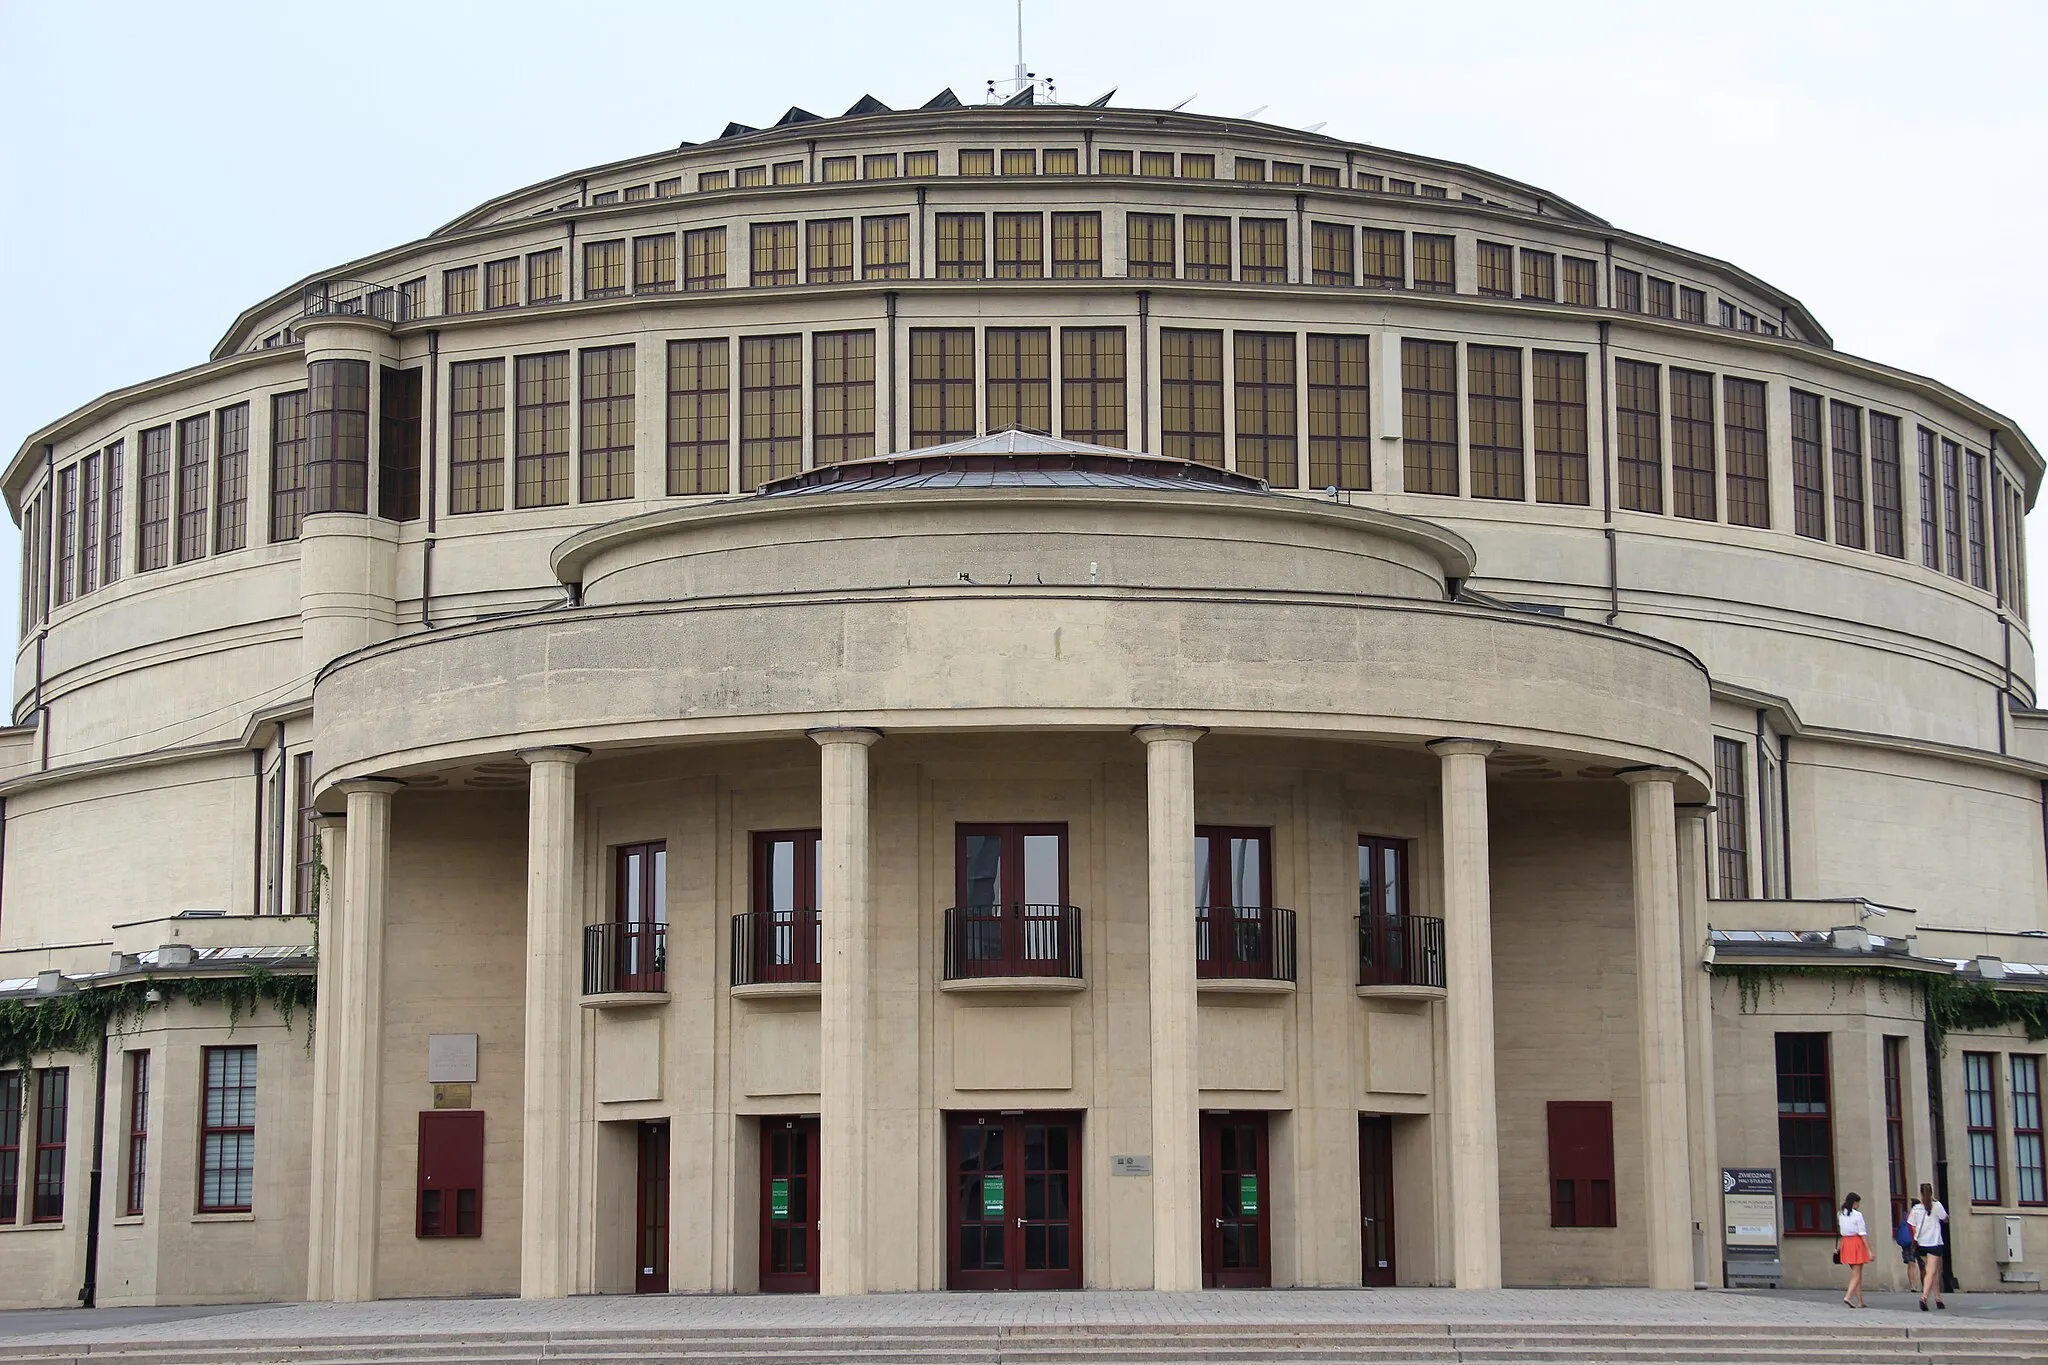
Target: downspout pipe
{"type": "Point", "coordinates": [88, 1293]}
{"type": "Point", "coordinates": [1607, 477]}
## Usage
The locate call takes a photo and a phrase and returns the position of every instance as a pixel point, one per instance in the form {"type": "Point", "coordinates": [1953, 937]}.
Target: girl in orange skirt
{"type": "Point", "coordinates": [1855, 1248]}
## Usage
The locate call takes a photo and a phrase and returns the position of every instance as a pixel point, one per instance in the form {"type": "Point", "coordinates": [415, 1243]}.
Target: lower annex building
{"type": "Point", "coordinates": [1015, 697]}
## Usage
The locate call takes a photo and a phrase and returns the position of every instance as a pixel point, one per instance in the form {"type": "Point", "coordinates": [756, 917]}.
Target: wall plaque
{"type": "Point", "coordinates": [451, 1057]}
{"type": "Point", "coordinates": [1131, 1165]}
{"type": "Point", "coordinates": [452, 1095]}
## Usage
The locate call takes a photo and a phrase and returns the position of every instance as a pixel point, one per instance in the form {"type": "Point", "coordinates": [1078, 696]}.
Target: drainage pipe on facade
{"type": "Point", "coordinates": [1607, 475]}
{"type": "Point", "coordinates": [1145, 369]}
{"type": "Point", "coordinates": [88, 1293]}
{"type": "Point", "coordinates": [433, 463]}
{"type": "Point", "coordinates": [256, 837]}
{"type": "Point", "coordinates": [1785, 808]}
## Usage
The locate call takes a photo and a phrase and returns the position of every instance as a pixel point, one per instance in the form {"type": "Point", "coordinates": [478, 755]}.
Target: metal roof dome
{"type": "Point", "coordinates": [1013, 459]}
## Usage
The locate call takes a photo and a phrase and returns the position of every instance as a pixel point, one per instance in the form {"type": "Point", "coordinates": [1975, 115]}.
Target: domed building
{"type": "Point", "coordinates": [1018, 696]}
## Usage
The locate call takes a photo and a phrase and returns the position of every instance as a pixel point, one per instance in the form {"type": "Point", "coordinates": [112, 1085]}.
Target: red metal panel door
{"type": "Point", "coordinates": [1236, 1212]}
{"type": "Point", "coordinates": [1376, 1198]}
{"type": "Point", "coordinates": [789, 1205]}
{"type": "Point", "coordinates": [650, 1242]}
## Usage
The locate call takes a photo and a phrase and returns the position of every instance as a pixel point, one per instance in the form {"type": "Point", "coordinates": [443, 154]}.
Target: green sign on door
{"type": "Point", "coordinates": [778, 1200]}
{"type": "Point", "coordinates": [1247, 1194]}
{"type": "Point", "coordinates": [991, 1196]}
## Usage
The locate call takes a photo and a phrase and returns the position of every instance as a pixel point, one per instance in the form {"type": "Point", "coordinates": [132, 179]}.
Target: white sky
{"type": "Point", "coordinates": [165, 165]}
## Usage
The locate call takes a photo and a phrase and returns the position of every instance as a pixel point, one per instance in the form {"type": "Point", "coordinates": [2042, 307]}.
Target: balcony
{"type": "Point", "coordinates": [357, 299]}
{"type": "Point", "coordinates": [777, 952]}
{"type": "Point", "coordinates": [1015, 946]}
{"type": "Point", "coordinates": [1244, 946]}
{"type": "Point", "coordinates": [1400, 955]}
{"type": "Point", "coordinates": [625, 963]}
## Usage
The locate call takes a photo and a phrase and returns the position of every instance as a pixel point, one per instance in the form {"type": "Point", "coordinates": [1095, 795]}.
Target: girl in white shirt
{"type": "Point", "coordinates": [1929, 1221]}
{"type": "Point", "coordinates": [1855, 1248]}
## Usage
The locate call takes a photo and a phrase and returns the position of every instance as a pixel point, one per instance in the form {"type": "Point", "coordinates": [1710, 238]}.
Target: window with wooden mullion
{"type": "Point", "coordinates": [771, 409]}
{"type": "Point", "coordinates": [91, 492]}
{"type": "Point", "coordinates": [1149, 245]}
{"type": "Point", "coordinates": [476, 453]}
{"type": "Point", "coordinates": [640, 914]}
{"type": "Point", "coordinates": [773, 261]}
{"type": "Point", "coordinates": [1895, 1127]}
{"type": "Point", "coordinates": [1383, 258]}
{"type": "Point", "coordinates": [1973, 497]}
{"type": "Point", "coordinates": [605, 429]}
{"type": "Point", "coordinates": [66, 554]}
{"type": "Point", "coordinates": [1207, 242]}
{"type": "Point", "coordinates": [135, 1176]}
{"type": "Point", "coordinates": [1233, 900]}
{"type": "Point", "coordinates": [1887, 492]}
{"type": "Point", "coordinates": [1092, 395]}
{"type": "Point", "coordinates": [1806, 1147]}
{"type": "Point", "coordinates": [1692, 445]}
{"type": "Point", "coordinates": [783, 942]}
{"type": "Point", "coordinates": [1746, 437]}
{"type": "Point", "coordinates": [828, 250]}
{"type": "Point", "coordinates": [1076, 246]}
{"type": "Point", "coordinates": [1266, 419]}
{"type": "Point", "coordinates": [53, 1107]}
{"type": "Point", "coordinates": [1809, 473]}
{"type": "Point", "coordinates": [1561, 453]}
{"type": "Point", "coordinates": [1980, 1104]}
{"type": "Point", "coordinates": [231, 480]}
{"type": "Point", "coordinates": [1493, 383]}
{"type": "Point", "coordinates": [1019, 381]}
{"type": "Point", "coordinates": [1951, 507]}
{"type": "Point", "coordinates": [842, 396]}
{"type": "Point", "coordinates": [1845, 439]}
{"type": "Point", "coordinates": [1191, 395]}
{"type": "Point", "coordinates": [1731, 819]}
{"type": "Point", "coordinates": [1639, 437]}
{"type": "Point", "coordinates": [2027, 1162]}
{"type": "Point", "coordinates": [1339, 435]}
{"type": "Point", "coordinates": [699, 416]}
{"type": "Point", "coordinates": [13, 1093]}
{"type": "Point", "coordinates": [885, 247]}
{"type": "Point", "coordinates": [227, 1131]}
{"type": "Point", "coordinates": [540, 463]}
{"type": "Point", "coordinates": [1020, 246]}
{"type": "Point", "coordinates": [1262, 254]}
{"type": "Point", "coordinates": [941, 385]}
{"type": "Point", "coordinates": [154, 529]}
{"type": "Point", "coordinates": [962, 246]}
{"type": "Point", "coordinates": [338, 436]}
{"type": "Point", "coordinates": [1429, 416]}
{"type": "Point", "coordinates": [1330, 253]}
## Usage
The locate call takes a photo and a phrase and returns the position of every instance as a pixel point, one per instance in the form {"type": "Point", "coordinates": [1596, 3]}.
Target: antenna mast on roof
{"type": "Point", "coordinates": [1025, 87]}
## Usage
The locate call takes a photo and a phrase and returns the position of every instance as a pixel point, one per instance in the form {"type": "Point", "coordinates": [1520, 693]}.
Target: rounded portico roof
{"type": "Point", "coordinates": [1013, 459]}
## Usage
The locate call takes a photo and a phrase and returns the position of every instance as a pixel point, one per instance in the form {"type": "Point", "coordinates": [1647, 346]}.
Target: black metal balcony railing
{"type": "Point", "coordinates": [624, 957]}
{"type": "Point", "coordinates": [770, 946]}
{"type": "Point", "coordinates": [1400, 950]}
{"type": "Point", "coordinates": [1013, 940]}
{"type": "Point", "coordinates": [357, 298]}
{"type": "Point", "coordinates": [1244, 943]}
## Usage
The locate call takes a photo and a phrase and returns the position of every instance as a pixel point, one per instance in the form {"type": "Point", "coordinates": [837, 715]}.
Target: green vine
{"type": "Point", "coordinates": [1948, 1003]}
{"type": "Point", "coordinates": [76, 1020]}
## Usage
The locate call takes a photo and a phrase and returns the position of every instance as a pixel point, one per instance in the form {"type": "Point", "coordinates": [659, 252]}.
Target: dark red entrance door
{"type": "Point", "coordinates": [1014, 1201]}
{"type": "Point", "coordinates": [650, 1241]}
{"type": "Point", "coordinates": [789, 1205]}
{"type": "Point", "coordinates": [1376, 1197]}
{"type": "Point", "coordinates": [1236, 1243]}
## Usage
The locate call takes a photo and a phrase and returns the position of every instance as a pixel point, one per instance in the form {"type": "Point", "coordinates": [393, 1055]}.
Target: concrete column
{"type": "Point", "coordinates": [1660, 1009]}
{"type": "Point", "coordinates": [554, 925]}
{"type": "Point", "coordinates": [1698, 990]}
{"type": "Point", "coordinates": [843, 918]}
{"type": "Point", "coordinates": [330, 830]}
{"type": "Point", "coordinates": [1176, 1121]}
{"type": "Point", "coordinates": [358, 1044]}
{"type": "Point", "coordinates": [1468, 1015]}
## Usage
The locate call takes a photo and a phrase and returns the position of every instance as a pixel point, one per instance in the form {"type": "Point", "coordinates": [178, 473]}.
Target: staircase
{"type": "Point", "coordinates": [1096, 1344]}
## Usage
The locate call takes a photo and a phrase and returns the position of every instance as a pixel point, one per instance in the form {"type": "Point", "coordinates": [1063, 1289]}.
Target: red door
{"type": "Point", "coordinates": [1376, 1197]}
{"type": "Point", "coordinates": [1236, 1241]}
{"type": "Point", "coordinates": [1014, 1201]}
{"type": "Point", "coordinates": [650, 1242]}
{"type": "Point", "coordinates": [789, 1205]}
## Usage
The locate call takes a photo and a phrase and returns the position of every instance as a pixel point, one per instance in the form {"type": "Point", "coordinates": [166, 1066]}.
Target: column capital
{"type": "Point", "coordinates": [1452, 746]}
{"type": "Point", "coordinates": [1650, 773]}
{"type": "Point", "coordinates": [369, 786]}
{"type": "Point", "coordinates": [554, 753]}
{"type": "Point", "coordinates": [1696, 810]}
{"type": "Point", "coordinates": [1160, 734]}
{"type": "Point", "coordinates": [862, 735]}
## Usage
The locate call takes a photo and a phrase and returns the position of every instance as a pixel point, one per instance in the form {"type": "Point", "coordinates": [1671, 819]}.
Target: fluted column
{"type": "Point", "coordinates": [1468, 1015]}
{"type": "Point", "coordinates": [1176, 1120]}
{"type": "Point", "coordinates": [331, 833]}
{"type": "Point", "coordinates": [554, 923]}
{"type": "Point", "coordinates": [1660, 1009]}
{"type": "Point", "coordinates": [358, 1047]}
{"type": "Point", "coordinates": [843, 917]}
{"type": "Point", "coordinates": [1697, 988]}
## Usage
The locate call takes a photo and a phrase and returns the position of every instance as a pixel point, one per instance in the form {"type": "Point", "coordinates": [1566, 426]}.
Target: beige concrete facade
{"type": "Point", "coordinates": [1631, 761]}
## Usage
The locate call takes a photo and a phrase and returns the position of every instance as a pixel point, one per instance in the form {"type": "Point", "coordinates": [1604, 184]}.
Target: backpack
{"type": "Point", "coordinates": [1904, 1236]}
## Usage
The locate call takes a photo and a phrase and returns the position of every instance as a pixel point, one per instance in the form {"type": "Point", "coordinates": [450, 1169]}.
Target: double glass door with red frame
{"type": "Point", "coordinates": [650, 1241]}
{"type": "Point", "coordinates": [1013, 1201]}
{"type": "Point", "coordinates": [1010, 917]}
{"type": "Point", "coordinates": [1236, 1202]}
{"type": "Point", "coordinates": [789, 1205]}
{"type": "Point", "coordinates": [1376, 1198]}
{"type": "Point", "coordinates": [781, 939]}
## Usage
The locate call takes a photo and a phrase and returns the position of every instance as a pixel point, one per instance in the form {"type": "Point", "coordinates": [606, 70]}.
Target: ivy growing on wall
{"type": "Point", "coordinates": [1947, 1003]}
{"type": "Point", "coordinates": [76, 1020]}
